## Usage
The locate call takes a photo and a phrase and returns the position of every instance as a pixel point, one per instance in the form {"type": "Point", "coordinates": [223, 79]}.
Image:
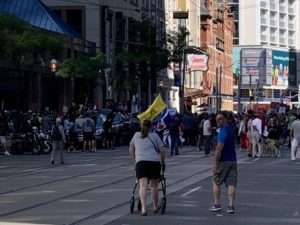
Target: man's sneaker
{"type": "Point", "coordinates": [215, 208]}
{"type": "Point", "coordinates": [230, 209]}
{"type": "Point", "coordinates": [293, 158]}
{"type": "Point", "coordinates": [6, 153]}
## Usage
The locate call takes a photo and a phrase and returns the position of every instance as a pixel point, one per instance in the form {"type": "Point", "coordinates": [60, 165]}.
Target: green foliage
{"type": "Point", "coordinates": [20, 42]}
{"type": "Point", "coordinates": [143, 46]}
{"type": "Point", "coordinates": [87, 67]}
{"type": "Point", "coordinates": [177, 42]}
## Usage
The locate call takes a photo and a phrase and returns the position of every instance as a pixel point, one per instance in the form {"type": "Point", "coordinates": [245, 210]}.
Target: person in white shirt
{"type": "Point", "coordinates": [256, 132]}
{"type": "Point", "coordinates": [295, 137]}
{"type": "Point", "coordinates": [207, 134]}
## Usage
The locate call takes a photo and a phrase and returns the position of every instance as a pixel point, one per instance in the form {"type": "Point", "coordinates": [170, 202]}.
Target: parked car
{"type": "Point", "coordinates": [123, 128]}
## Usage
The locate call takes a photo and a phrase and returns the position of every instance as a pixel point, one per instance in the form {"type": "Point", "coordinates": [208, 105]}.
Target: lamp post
{"type": "Point", "coordinates": [107, 73]}
{"type": "Point", "coordinates": [160, 87]}
{"type": "Point", "coordinates": [53, 65]}
{"type": "Point", "coordinates": [138, 95]}
{"type": "Point", "coordinates": [149, 82]}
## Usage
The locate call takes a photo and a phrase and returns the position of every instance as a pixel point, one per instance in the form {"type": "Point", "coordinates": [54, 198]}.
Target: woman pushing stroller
{"type": "Point", "coordinates": [148, 151]}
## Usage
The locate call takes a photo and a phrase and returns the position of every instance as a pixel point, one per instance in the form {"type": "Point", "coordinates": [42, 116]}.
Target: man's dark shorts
{"type": "Point", "coordinates": [227, 173]}
{"type": "Point", "coordinates": [88, 136]}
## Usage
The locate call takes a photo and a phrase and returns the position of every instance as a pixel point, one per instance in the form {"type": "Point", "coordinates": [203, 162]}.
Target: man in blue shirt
{"type": "Point", "coordinates": [224, 165]}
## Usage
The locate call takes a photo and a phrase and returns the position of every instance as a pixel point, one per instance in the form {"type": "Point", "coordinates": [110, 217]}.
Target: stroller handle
{"type": "Point", "coordinates": [163, 167]}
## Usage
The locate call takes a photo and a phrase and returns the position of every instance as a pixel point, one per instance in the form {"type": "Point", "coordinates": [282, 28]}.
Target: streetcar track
{"type": "Point", "coordinates": [102, 212]}
{"type": "Point", "coordinates": [64, 179]}
{"type": "Point", "coordinates": [94, 215]}
{"type": "Point", "coordinates": [37, 170]}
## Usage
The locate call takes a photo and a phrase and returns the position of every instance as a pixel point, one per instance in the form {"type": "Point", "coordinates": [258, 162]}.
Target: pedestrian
{"type": "Point", "coordinates": [3, 132]}
{"type": "Point", "coordinates": [188, 122]}
{"type": "Point", "coordinates": [295, 137]}
{"type": "Point", "coordinates": [273, 131]}
{"type": "Point", "coordinates": [88, 128]}
{"type": "Point", "coordinates": [242, 133]}
{"type": "Point", "coordinates": [207, 134]}
{"type": "Point", "coordinates": [147, 150]}
{"type": "Point", "coordinates": [108, 132]}
{"type": "Point", "coordinates": [224, 166]}
{"type": "Point", "coordinates": [175, 130]}
{"type": "Point", "coordinates": [59, 141]}
{"type": "Point", "coordinates": [200, 132]}
{"type": "Point", "coordinates": [256, 133]}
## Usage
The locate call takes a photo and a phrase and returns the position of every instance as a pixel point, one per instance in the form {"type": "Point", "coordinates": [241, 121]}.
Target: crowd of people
{"type": "Point", "coordinates": [259, 134]}
{"type": "Point", "coordinates": [76, 120]}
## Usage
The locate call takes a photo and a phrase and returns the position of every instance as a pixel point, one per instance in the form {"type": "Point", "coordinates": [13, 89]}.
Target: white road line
{"type": "Point", "coordinates": [191, 191]}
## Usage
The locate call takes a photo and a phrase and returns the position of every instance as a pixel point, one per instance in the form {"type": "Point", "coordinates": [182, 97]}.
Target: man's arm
{"type": "Point", "coordinates": [217, 156]}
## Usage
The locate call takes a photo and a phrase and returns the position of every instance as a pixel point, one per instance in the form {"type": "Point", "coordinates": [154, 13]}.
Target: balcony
{"type": "Point", "coordinates": [273, 6]}
{"type": "Point", "coordinates": [273, 23]}
{"type": "Point", "coordinates": [281, 8]}
{"type": "Point", "coordinates": [291, 10]}
{"type": "Point", "coordinates": [273, 39]}
{"type": "Point", "coordinates": [282, 25]}
{"type": "Point", "coordinates": [291, 26]}
{"type": "Point", "coordinates": [263, 38]}
{"type": "Point", "coordinates": [291, 42]}
{"type": "Point", "coordinates": [263, 4]}
{"type": "Point", "coordinates": [282, 41]}
{"type": "Point", "coordinates": [263, 21]}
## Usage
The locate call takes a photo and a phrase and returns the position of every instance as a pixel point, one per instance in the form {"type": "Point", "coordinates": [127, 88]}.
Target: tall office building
{"type": "Point", "coordinates": [267, 32]}
{"type": "Point", "coordinates": [269, 22]}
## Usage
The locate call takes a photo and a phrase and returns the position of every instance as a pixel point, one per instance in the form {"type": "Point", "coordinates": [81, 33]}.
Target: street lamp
{"type": "Point", "coordinates": [53, 65]}
{"type": "Point", "coordinates": [138, 95]}
{"type": "Point", "coordinates": [107, 73]}
{"type": "Point", "coordinates": [149, 82]}
{"type": "Point", "coordinates": [160, 86]}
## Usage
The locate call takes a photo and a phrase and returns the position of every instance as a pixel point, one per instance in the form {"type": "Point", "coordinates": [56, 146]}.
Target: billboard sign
{"type": "Point", "coordinates": [280, 68]}
{"type": "Point", "coordinates": [292, 73]}
{"type": "Point", "coordinates": [197, 62]}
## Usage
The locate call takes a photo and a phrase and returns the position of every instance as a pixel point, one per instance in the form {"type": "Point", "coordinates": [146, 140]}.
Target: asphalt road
{"type": "Point", "coordinates": [95, 189]}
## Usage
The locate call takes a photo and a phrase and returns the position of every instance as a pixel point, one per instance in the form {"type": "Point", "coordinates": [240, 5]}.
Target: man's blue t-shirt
{"type": "Point", "coordinates": [226, 137]}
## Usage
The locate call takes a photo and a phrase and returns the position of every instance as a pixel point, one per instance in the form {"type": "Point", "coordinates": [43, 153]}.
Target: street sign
{"type": "Point", "coordinates": [181, 15]}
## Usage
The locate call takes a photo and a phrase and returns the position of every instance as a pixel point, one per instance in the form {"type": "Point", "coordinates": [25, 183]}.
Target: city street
{"type": "Point", "coordinates": [95, 189]}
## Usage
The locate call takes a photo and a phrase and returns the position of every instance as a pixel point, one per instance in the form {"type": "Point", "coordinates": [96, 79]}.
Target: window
{"type": "Point", "coordinates": [276, 93]}
{"type": "Point", "coordinates": [74, 19]}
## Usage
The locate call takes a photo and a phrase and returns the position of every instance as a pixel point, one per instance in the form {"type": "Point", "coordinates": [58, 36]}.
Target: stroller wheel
{"type": "Point", "coordinates": [139, 205]}
{"type": "Point", "coordinates": [132, 200]}
{"type": "Point", "coordinates": [163, 205]}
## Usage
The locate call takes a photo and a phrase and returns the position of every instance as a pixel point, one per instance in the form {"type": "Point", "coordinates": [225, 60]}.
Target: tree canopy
{"type": "Point", "coordinates": [20, 42]}
{"type": "Point", "coordinates": [87, 67]}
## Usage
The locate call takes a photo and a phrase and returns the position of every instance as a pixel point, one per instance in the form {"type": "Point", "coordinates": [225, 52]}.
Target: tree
{"type": "Point", "coordinates": [21, 42]}
{"type": "Point", "coordinates": [84, 67]}
{"type": "Point", "coordinates": [88, 68]}
{"type": "Point", "coordinates": [142, 50]}
{"type": "Point", "coordinates": [177, 42]}
{"type": "Point", "coordinates": [21, 45]}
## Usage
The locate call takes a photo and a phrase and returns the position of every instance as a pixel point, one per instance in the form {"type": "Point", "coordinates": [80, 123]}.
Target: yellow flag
{"type": "Point", "coordinates": [157, 106]}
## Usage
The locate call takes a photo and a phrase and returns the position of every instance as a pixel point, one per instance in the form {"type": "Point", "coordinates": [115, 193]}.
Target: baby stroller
{"type": "Point", "coordinates": [163, 201]}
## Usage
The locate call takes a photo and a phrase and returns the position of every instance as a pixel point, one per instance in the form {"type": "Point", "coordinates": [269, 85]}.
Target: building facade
{"type": "Point", "coordinates": [38, 87]}
{"type": "Point", "coordinates": [107, 23]}
{"type": "Point", "coordinates": [273, 39]}
{"type": "Point", "coordinates": [269, 22]}
{"type": "Point", "coordinates": [217, 28]}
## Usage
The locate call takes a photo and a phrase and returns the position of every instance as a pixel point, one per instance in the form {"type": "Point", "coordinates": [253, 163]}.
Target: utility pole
{"type": "Point", "coordinates": [239, 88]}
{"type": "Point", "coordinates": [217, 88]}
{"type": "Point", "coordinates": [107, 48]}
{"type": "Point", "coordinates": [182, 79]}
